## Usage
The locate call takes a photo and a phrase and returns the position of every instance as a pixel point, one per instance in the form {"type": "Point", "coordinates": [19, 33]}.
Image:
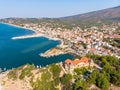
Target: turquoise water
{"type": "Point", "coordinates": [14, 53]}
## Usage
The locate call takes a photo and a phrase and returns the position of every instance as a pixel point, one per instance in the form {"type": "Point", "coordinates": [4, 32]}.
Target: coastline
{"type": "Point", "coordinates": [38, 34]}
{"type": "Point", "coordinates": [19, 26]}
{"type": "Point", "coordinates": [53, 52]}
{"type": "Point", "coordinates": [35, 32]}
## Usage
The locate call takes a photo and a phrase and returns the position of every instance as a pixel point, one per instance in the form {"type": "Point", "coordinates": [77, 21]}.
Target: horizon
{"type": "Point", "coordinates": [51, 9]}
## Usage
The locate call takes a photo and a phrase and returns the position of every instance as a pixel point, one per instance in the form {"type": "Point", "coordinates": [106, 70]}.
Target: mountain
{"type": "Point", "coordinates": [99, 17]}
{"type": "Point", "coordinates": [106, 14]}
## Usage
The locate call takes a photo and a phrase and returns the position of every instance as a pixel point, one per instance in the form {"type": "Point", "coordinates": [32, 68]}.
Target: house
{"type": "Point", "coordinates": [70, 65]}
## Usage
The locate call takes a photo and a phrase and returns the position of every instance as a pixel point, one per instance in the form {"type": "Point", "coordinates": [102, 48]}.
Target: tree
{"type": "Point", "coordinates": [80, 71]}
{"type": "Point", "coordinates": [102, 82]}
{"type": "Point", "coordinates": [91, 79]}
{"type": "Point", "coordinates": [80, 85]}
{"type": "Point", "coordinates": [105, 84]}
{"type": "Point", "coordinates": [115, 78]}
{"type": "Point", "coordinates": [55, 69]}
{"type": "Point", "coordinates": [66, 81]}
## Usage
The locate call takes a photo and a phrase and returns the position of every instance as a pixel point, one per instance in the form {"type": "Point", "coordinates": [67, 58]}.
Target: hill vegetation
{"type": "Point", "coordinates": [111, 14]}
{"type": "Point", "coordinates": [52, 77]}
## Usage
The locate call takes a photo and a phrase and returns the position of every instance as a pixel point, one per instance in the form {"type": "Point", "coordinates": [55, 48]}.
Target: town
{"type": "Point", "coordinates": [100, 40]}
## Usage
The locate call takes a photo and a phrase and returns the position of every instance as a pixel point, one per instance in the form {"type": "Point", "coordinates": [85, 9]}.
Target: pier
{"type": "Point", "coordinates": [27, 36]}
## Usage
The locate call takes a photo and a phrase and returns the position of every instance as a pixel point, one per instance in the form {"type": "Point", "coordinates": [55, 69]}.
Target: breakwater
{"type": "Point", "coordinates": [27, 36]}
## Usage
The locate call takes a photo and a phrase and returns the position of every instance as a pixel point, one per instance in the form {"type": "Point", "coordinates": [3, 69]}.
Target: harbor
{"type": "Point", "coordinates": [17, 52]}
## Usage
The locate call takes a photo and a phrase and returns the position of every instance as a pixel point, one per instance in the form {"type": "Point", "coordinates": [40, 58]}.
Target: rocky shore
{"type": "Point", "coordinates": [53, 52]}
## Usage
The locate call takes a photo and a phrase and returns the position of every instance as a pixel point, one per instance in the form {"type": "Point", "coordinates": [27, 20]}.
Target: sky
{"type": "Point", "coordinates": [51, 8]}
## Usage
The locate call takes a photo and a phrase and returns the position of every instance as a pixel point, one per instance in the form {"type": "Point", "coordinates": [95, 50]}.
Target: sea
{"type": "Point", "coordinates": [14, 53]}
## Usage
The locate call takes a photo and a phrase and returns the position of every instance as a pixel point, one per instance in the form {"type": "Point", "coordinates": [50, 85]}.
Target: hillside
{"type": "Point", "coordinates": [106, 14]}
{"type": "Point", "coordinates": [109, 15]}
{"type": "Point", "coordinates": [55, 77]}
{"type": "Point", "coordinates": [28, 77]}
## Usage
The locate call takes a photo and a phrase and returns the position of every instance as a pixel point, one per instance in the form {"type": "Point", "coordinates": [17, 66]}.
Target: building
{"type": "Point", "coordinates": [70, 65]}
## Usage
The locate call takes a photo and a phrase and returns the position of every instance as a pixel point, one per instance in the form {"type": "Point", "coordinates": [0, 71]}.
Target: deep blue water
{"type": "Point", "coordinates": [14, 53]}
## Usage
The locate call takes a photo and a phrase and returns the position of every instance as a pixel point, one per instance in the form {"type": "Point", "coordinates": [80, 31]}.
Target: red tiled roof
{"type": "Point", "coordinates": [92, 49]}
{"type": "Point", "coordinates": [84, 59]}
{"type": "Point", "coordinates": [68, 61]}
{"type": "Point", "coordinates": [77, 61]}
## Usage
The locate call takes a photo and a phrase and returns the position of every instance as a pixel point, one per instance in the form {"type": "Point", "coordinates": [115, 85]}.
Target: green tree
{"type": "Point", "coordinates": [91, 79]}
{"type": "Point", "coordinates": [55, 69]}
{"type": "Point", "coordinates": [115, 78]}
{"type": "Point", "coordinates": [80, 71]}
{"type": "Point", "coordinates": [102, 82]}
{"type": "Point", "coordinates": [66, 82]}
{"type": "Point", "coordinates": [80, 85]}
